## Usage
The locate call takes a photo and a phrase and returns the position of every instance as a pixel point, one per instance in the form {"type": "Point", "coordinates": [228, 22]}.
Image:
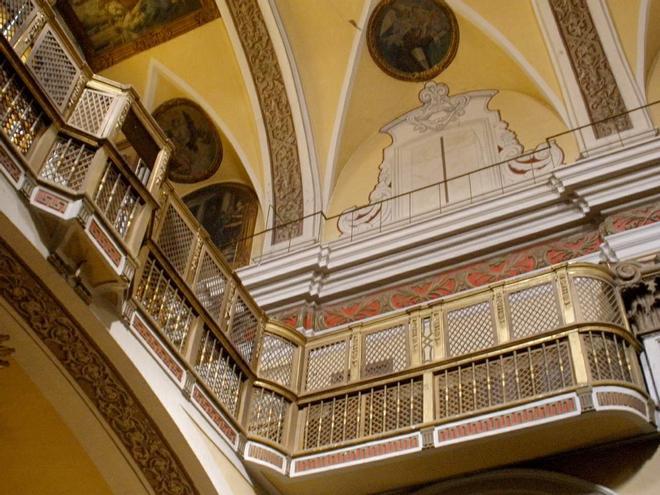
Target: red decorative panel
{"type": "Point", "coordinates": [623, 400]}
{"type": "Point", "coordinates": [632, 219]}
{"type": "Point", "coordinates": [266, 455]}
{"type": "Point", "coordinates": [359, 453]}
{"type": "Point", "coordinates": [506, 420]}
{"type": "Point", "coordinates": [7, 163]}
{"type": "Point", "coordinates": [453, 281]}
{"type": "Point", "coordinates": [449, 282]}
{"type": "Point", "coordinates": [158, 349]}
{"type": "Point", "coordinates": [104, 241]}
{"type": "Point", "coordinates": [218, 419]}
{"type": "Point", "coordinates": [50, 200]}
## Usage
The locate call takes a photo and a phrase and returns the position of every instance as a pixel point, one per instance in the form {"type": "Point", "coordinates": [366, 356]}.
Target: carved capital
{"type": "Point", "coordinates": [639, 284]}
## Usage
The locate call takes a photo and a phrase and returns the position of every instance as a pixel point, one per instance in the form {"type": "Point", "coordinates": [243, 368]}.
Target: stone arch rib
{"type": "Point", "coordinates": [288, 200]}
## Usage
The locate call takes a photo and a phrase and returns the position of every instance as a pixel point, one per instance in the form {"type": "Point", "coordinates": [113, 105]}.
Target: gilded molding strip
{"type": "Point", "coordinates": [595, 78]}
{"type": "Point", "coordinates": [95, 376]}
{"type": "Point", "coordinates": [276, 112]}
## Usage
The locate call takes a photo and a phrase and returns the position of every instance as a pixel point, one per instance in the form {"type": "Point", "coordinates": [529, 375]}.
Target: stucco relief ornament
{"type": "Point", "coordinates": [438, 108]}
{"type": "Point", "coordinates": [448, 150]}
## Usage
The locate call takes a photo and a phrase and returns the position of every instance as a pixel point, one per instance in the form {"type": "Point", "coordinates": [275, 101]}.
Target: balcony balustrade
{"type": "Point", "coordinates": [551, 346]}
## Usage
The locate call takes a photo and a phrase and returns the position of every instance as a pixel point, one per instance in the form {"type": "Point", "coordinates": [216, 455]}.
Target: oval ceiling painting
{"type": "Point", "coordinates": [412, 40]}
{"type": "Point", "coordinates": [197, 146]}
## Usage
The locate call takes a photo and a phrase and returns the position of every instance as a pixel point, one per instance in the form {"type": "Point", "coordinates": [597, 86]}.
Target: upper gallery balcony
{"type": "Point", "coordinates": [82, 149]}
{"type": "Point", "coordinates": [525, 367]}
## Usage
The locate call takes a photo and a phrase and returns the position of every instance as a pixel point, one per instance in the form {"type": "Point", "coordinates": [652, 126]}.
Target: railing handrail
{"type": "Point", "coordinates": [322, 214]}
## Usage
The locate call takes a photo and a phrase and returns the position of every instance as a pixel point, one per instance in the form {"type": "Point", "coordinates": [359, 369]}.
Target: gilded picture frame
{"type": "Point", "coordinates": [110, 31]}
{"type": "Point", "coordinates": [412, 40]}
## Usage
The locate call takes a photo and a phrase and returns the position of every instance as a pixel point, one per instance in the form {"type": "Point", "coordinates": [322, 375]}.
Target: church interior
{"type": "Point", "coordinates": [296, 247]}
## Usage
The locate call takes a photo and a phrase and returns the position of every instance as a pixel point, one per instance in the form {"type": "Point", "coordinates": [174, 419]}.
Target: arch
{"type": "Point", "coordinates": [515, 482]}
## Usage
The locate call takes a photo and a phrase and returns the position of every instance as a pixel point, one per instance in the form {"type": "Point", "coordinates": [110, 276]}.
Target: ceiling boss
{"type": "Point", "coordinates": [412, 40]}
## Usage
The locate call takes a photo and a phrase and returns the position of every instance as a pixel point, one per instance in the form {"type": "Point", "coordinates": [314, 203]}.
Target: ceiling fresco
{"type": "Point", "coordinates": [112, 30]}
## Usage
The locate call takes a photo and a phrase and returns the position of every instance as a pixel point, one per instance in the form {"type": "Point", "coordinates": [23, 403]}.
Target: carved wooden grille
{"type": "Point", "coordinates": [607, 355]}
{"type": "Point", "coordinates": [385, 351]}
{"type": "Point", "coordinates": [13, 14]}
{"type": "Point", "coordinates": [243, 331]}
{"type": "Point", "coordinates": [53, 68]}
{"type": "Point", "coordinates": [91, 111]}
{"type": "Point", "coordinates": [470, 329]}
{"type": "Point", "coordinates": [267, 414]}
{"type": "Point", "coordinates": [597, 300]}
{"type": "Point", "coordinates": [371, 412]}
{"type": "Point", "coordinates": [534, 310]}
{"type": "Point", "coordinates": [117, 199]}
{"type": "Point", "coordinates": [21, 118]}
{"type": "Point", "coordinates": [428, 343]}
{"type": "Point", "coordinates": [210, 286]}
{"type": "Point", "coordinates": [164, 303]}
{"type": "Point", "coordinates": [67, 163]}
{"type": "Point", "coordinates": [175, 239]}
{"type": "Point", "coordinates": [219, 371]}
{"type": "Point", "coordinates": [326, 365]}
{"type": "Point", "coordinates": [276, 359]}
{"type": "Point", "coordinates": [509, 377]}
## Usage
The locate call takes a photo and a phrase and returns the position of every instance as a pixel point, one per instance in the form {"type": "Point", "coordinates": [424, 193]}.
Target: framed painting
{"type": "Point", "coordinates": [412, 40]}
{"type": "Point", "coordinates": [112, 30]}
{"type": "Point", "coordinates": [197, 144]}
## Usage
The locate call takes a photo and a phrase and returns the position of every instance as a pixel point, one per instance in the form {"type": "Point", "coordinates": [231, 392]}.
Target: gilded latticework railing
{"type": "Point", "coordinates": [513, 342]}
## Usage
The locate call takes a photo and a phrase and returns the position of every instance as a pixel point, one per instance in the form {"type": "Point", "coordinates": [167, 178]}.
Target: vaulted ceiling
{"type": "Point", "coordinates": [339, 98]}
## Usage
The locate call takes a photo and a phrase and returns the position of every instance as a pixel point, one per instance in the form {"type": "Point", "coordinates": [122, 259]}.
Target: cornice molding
{"type": "Point", "coordinates": [575, 195]}
{"type": "Point", "coordinates": [96, 377]}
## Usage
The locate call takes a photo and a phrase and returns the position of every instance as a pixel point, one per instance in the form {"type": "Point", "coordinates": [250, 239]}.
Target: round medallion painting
{"type": "Point", "coordinates": [412, 40]}
{"type": "Point", "coordinates": [197, 146]}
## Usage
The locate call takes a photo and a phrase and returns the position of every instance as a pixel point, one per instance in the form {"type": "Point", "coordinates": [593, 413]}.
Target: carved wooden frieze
{"type": "Point", "coordinates": [102, 385]}
{"type": "Point", "coordinates": [278, 121]}
{"type": "Point", "coordinates": [595, 78]}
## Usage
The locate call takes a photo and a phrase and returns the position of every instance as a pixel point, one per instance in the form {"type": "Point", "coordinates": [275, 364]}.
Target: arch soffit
{"type": "Point", "coordinates": [157, 70]}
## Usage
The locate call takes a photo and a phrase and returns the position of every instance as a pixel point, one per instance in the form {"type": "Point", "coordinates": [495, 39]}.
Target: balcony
{"type": "Point", "coordinates": [527, 367]}
{"type": "Point", "coordinates": [531, 366]}
{"type": "Point", "coordinates": [82, 150]}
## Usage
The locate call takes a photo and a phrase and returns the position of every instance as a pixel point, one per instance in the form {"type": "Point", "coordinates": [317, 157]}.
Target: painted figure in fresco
{"type": "Point", "coordinates": [414, 35]}
{"type": "Point", "coordinates": [410, 38]}
{"type": "Point", "coordinates": [228, 213]}
{"type": "Point", "coordinates": [197, 145]}
{"type": "Point", "coordinates": [112, 22]}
